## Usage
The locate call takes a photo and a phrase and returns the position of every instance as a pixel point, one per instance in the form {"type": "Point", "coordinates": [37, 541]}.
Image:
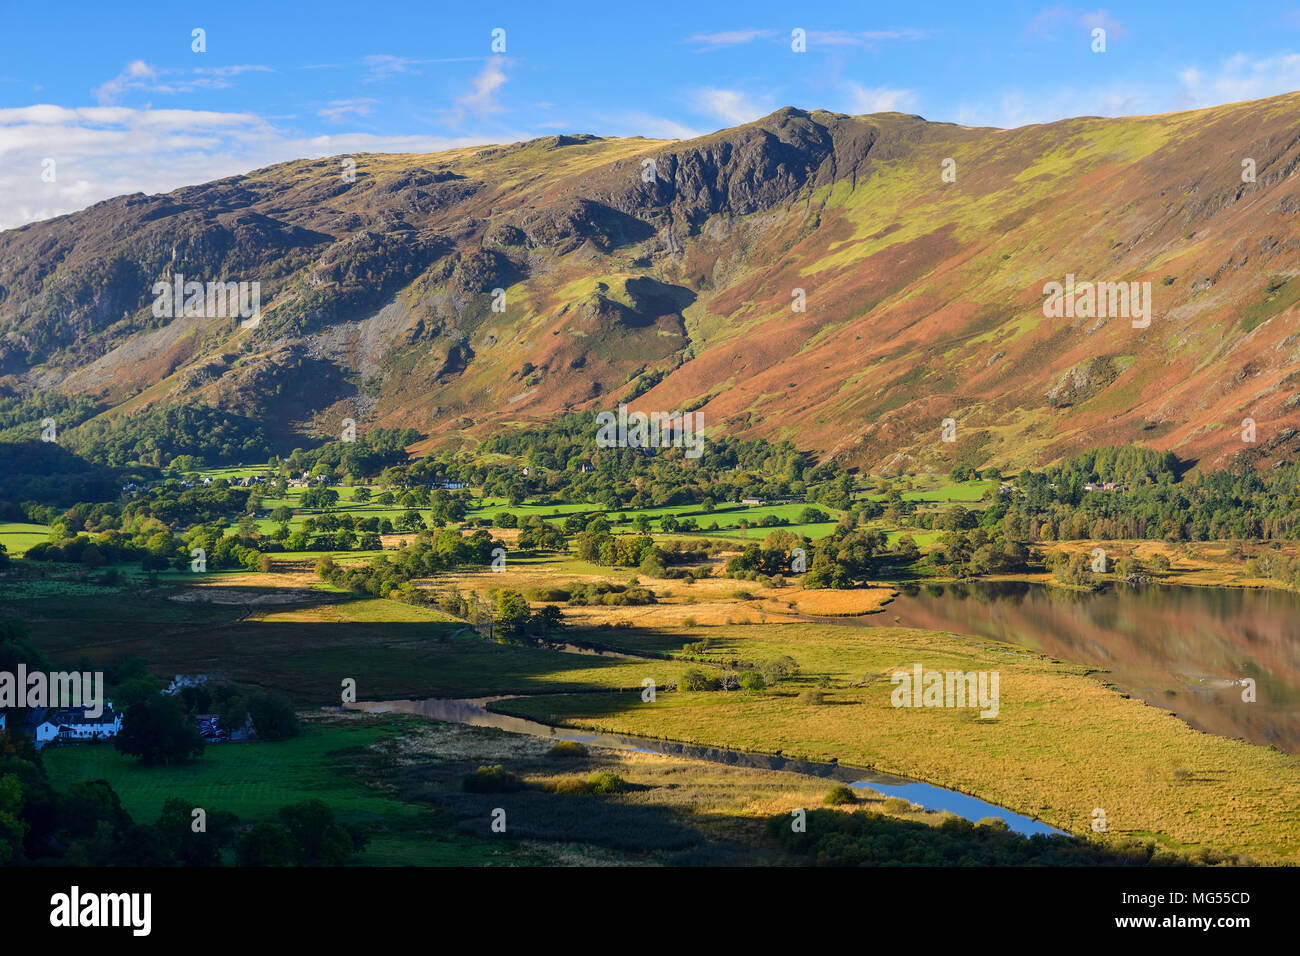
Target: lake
{"type": "Point", "coordinates": [1180, 648]}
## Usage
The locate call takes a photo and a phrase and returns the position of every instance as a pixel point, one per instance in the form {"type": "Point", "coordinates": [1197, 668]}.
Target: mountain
{"type": "Point", "coordinates": [675, 282]}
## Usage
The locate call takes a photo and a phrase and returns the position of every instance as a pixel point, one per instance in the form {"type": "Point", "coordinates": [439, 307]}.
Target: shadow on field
{"type": "Point", "coordinates": [307, 649]}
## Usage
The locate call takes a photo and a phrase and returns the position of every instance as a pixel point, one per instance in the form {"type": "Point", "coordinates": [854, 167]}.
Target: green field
{"type": "Point", "coordinates": [303, 643]}
{"type": "Point", "coordinates": [18, 536]}
{"type": "Point", "coordinates": [940, 491]}
{"type": "Point", "coordinates": [253, 780]}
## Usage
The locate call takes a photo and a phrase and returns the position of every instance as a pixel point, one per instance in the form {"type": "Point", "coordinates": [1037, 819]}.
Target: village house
{"type": "Point", "coordinates": [181, 681]}
{"type": "Point", "coordinates": [72, 724]}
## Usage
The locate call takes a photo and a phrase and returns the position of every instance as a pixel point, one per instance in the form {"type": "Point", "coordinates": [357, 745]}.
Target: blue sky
{"type": "Point", "coordinates": [120, 101]}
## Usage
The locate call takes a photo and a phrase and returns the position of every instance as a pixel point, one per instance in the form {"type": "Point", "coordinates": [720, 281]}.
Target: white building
{"type": "Point", "coordinates": [74, 724]}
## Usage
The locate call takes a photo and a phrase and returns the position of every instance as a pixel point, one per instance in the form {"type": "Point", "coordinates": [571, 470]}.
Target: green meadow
{"type": "Point", "coordinates": [18, 536]}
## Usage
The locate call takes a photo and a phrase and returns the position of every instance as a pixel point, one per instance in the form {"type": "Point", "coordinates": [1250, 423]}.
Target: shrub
{"type": "Point", "coordinates": [696, 679]}
{"type": "Point", "coordinates": [567, 785]}
{"type": "Point", "coordinates": [603, 783]}
{"type": "Point", "coordinates": [566, 749]}
{"type": "Point", "coordinates": [779, 669]}
{"type": "Point", "coordinates": [493, 779]}
{"type": "Point", "coordinates": [839, 795]}
{"type": "Point", "coordinates": [606, 782]}
{"type": "Point", "coordinates": [811, 697]}
{"type": "Point", "coordinates": [752, 680]}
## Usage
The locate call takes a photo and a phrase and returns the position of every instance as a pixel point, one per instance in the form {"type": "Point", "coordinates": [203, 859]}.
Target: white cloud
{"type": "Point", "coordinates": [862, 38]}
{"type": "Point", "coordinates": [653, 127]}
{"type": "Point", "coordinates": [1103, 19]}
{"type": "Point", "coordinates": [1044, 25]}
{"type": "Point", "coordinates": [105, 151]}
{"type": "Point", "coordinates": [880, 99]}
{"type": "Point", "coordinates": [481, 100]}
{"type": "Point", "coordinates": [1240, 77]}
{"type": "Point", "coordinates": [384, 66]}
{"type": "Point", "coordinates": [729, 38]}
{"type": "Point", "coordinates": [381, 66]}
{"type": "Point", "coordinates": [1013, 108]}
{"type": "Point", "coordinates": [336, 110]}
{"type": "Point", "coordinates": [730, 106]}
{"type": "Point", "coordinates": [1047, 23]}
{"type": "Point", "coordinates": [139, 75]}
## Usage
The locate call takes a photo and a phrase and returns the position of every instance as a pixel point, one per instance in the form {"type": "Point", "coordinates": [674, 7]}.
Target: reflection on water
{"type": "Point", "coordinates": [1183, 649]}
{"type": "Point", "coordinates": [474, 712]}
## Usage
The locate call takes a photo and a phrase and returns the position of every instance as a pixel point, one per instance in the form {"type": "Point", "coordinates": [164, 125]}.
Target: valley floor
{"type": "Point", "coordinates": [1062, 746]}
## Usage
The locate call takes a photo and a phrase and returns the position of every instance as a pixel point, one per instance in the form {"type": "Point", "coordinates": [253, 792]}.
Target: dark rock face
{"type": "Point", "coordinates": [748, 169]}
{"type": "Point", "coordinates": [72, 286]}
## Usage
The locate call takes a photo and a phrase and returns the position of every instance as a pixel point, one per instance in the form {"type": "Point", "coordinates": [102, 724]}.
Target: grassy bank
{"type": "Point", "coordinates": [1061, 746]}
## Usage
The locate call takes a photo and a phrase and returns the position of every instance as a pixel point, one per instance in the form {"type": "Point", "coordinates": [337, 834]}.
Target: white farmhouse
{"type": "Point", "coordinates": [73, 724]}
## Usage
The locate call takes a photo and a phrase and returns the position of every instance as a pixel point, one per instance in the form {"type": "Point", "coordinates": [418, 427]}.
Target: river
{"type": "Point", "coordinates": [475, 712]}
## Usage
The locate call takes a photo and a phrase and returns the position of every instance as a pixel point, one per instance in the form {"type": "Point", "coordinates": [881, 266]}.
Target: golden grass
{"type": "Point", "coordinates": [836, 603]}
{"type": "Point", "coordinates": [1062, 744]}
{"type": "Point", "coordinates": [728, 801]}
{"type": "Point", "coordinates": [1198, 564]}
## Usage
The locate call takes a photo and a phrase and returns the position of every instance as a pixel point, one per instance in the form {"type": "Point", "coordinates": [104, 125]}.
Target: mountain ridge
{"type": "Point", "coordinates": [674, 289]}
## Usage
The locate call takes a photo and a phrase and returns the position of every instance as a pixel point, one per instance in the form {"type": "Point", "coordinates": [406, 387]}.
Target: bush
{"type": "Point", "coordinates": [493, 779]}
{"type": "Point", "coordinates": [811, 697]}
{"type": "Point", "coordinates": [752, 680]}
{"type": "Point", "coordinates": [567, 785]}
{"type": "Point", "coordinates": [778, 669]}
{"type": "Point", "coordinates": [564, 749]}
{"type": "Point", "coordinates": [606, 782]}
{"type": "Point", "coordinates": [602, 783]}
{"type": "Point", "coordinates": [839, 795]}
{"type": "Point", "coordinates": [696, 679]}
